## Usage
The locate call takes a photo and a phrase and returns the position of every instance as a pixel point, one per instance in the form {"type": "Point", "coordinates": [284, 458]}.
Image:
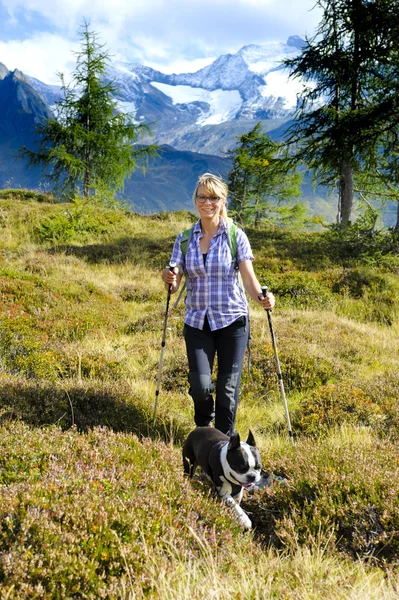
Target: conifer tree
{"type": "Point", "coordinates": [341, 117]}
{"type": "Point", "coordinates": [260, 174]}
{"type": "Point", "coordinates": [90, 144]}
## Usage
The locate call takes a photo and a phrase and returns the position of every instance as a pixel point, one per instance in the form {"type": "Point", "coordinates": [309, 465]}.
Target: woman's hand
{"type": "Point", "coordinates": [267, 302]}
{"type": "Point", "coordinates": [171, 278]}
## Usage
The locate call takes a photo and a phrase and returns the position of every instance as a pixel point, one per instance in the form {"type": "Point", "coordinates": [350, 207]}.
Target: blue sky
{"type": "Point", "coordinates": [39, 36]}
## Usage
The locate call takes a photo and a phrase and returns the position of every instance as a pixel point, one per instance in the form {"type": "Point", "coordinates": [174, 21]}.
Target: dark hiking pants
{"type": "Point", "coordinates": [228, 344]}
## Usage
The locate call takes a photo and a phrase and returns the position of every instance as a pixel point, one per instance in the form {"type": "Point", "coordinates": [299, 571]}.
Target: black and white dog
{"type": "Point", "coordinates": [230, 464]}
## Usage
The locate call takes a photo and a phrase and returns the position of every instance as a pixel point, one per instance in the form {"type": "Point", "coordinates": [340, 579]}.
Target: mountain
{"type": "Point", "coordinates": [195, 117]}
{"type": "Point", "coordinates": [21, 109]}
{"type": "Point", "coordinates": [205, 111]}
{"type": "Point", "coordinates": [20, 106]}
{"type": "Point", "coordinates": [168, 183]}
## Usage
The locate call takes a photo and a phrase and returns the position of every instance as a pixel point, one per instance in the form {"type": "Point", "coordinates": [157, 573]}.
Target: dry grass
{"type": "Point", "coordinates": [98, 511]}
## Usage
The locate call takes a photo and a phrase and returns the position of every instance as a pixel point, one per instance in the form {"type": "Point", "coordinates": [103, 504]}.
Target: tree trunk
{"type": "Point", "coordinates": [397, 220]}
{"type": "Point", "coordinates": [86, 184]}
{"type": "Point", "coordinates": [345, 194]}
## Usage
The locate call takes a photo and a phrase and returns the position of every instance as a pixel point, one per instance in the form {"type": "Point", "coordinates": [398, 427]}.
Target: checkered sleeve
{"type": "Point", "coordinates": [244, 251]}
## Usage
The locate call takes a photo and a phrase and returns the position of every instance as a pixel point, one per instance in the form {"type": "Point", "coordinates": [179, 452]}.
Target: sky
{"type": "Point", "coordinates": [39, 37]}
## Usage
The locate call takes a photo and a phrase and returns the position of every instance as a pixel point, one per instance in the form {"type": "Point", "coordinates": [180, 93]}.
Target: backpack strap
{"type": "Point", "coordinates": [185, 240]}
{"type": "Point", "coordinates": [232, 239]}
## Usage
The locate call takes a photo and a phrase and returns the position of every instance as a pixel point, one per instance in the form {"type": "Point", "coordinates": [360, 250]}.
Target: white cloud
{"type": "Point", "coordinates": [42, 57]}
{"type": "Point", "coordinates": [169, 35]}
{"type": "Point", "coordinates": [64, 14]}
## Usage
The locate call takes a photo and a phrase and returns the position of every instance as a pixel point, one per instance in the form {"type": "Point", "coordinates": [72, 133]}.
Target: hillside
{"type": "Point", "coordinates": [93, 503]}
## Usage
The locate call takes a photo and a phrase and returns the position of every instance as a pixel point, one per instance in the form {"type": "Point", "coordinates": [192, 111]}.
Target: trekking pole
{"type": "Point", "coordinates": [279, 374]}
{"type": "Point", "coordinates": [171, 267]}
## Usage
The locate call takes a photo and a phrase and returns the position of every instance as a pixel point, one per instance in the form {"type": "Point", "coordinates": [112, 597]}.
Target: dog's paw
{"type": "Point", "coordinates": [245, 521]}
{"type": "Point", "coordinates": [242, 516]}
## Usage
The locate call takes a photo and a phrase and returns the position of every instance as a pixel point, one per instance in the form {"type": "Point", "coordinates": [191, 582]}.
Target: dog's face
{"type": "Point", "coordinates": [241, 461]}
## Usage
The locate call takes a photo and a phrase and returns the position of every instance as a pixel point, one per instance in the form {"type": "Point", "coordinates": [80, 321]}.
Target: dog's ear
{"type": "Point", "coordinates": [251, 439]}
{"type": "Point", "coordinates": [234, 442]}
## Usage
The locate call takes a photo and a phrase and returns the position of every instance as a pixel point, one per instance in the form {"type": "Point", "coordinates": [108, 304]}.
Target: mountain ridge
{"type": "Point", "coordinates": [250, 85]}
{"type": "Point", "coordinates": [194, 126]}
{"type": "Point", "coordinates": [195, 118]}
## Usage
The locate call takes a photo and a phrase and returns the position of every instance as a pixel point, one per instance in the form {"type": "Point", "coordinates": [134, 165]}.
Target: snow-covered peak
{"type": "Point", "coordinates": [215, 106]}
{"type": "Point", "coordinates": [251, 84]}
{"type": "Point", "coordinates": [255, 74]}
{"type": "Point", "coordinates": [128, 69]}
{"type": "Point", "coordinates": [3, 71]}
{"type": "Point", "coordinates": [265, 58]}
{"type": "Point", "coordinates": [296, 41]}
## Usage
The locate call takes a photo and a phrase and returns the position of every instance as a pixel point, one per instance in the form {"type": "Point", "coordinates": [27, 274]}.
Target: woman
{"type": "Point", "coordinates": [216, 319]}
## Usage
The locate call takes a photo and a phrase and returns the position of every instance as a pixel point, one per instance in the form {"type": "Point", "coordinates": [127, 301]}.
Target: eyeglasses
{"type": "Point", "coordinates": [203, 199]}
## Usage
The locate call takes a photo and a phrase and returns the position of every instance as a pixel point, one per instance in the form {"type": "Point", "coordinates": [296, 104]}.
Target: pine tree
{"type": "Point", "coordinates": [90, 144]}
{"type": "Point", "coordinates": [260, 175]}
{"type": "Point", "coordinates": [341, 118]}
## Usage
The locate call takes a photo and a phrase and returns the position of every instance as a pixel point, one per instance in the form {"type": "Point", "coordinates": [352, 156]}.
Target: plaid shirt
{"type": "Point", "coordinates": [213, 289]}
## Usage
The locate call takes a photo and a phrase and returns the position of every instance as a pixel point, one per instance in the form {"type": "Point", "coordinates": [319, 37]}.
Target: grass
{"type": "Point", "coordinates": [93, 503]}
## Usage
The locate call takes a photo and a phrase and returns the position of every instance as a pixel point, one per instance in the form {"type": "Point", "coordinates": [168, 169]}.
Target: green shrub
{"type": "Point", "coordinates": [40, 319]}
{"type": "Point", "coordinates": [361, 243]}
{"type": "Point", "coordinates": [57, 229]}
{"type": "Point", "coordinates": [22, 351]}
{"type": "Point", "coordinates": [361, 293]}
{"type": "Point", "coordinates": [301, 372]}
{"type": "Point", "coordinates": [347, 246]}
{"type": "Point", "coordinates": [20, 194]}
{"type": "Point", "coordinates": [147, 323]}
{"type": "Point", "coordinates": [342, 494]}
{"type": "Point", "coordinates": [77, 513]}
{"type": "Point", "coordinates": [330, 406]}
{"type": "Point", "coordinates": [376, 295]}
{"type": "Point", "coordinates": [297, 289]}
{"type": "Point", "coordinates": [97, 366]}
{"type": "Point", "coordinates": [76, 223]}
{"type": "Point", "coordinates": [362, 281]}
{"type": "Point", "coordinates": [137, 292]}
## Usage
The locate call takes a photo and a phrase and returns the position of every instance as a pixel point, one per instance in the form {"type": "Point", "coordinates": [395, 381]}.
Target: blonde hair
{"type": "Point", "coordinates": [215, 186]}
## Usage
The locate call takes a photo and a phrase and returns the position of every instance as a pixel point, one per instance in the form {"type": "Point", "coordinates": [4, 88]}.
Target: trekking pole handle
{"type": "Point", "coordinates": [171, 266]}
{"type": "Point", "coordinates": [265, 291]}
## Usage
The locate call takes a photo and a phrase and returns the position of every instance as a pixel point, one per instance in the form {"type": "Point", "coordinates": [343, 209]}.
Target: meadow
{"type": "Point", "coordinates": [93, 502]}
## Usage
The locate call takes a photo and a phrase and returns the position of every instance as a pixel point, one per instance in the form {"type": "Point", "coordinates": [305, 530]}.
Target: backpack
{"type": "Point", "coordinates": [232, 241]}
